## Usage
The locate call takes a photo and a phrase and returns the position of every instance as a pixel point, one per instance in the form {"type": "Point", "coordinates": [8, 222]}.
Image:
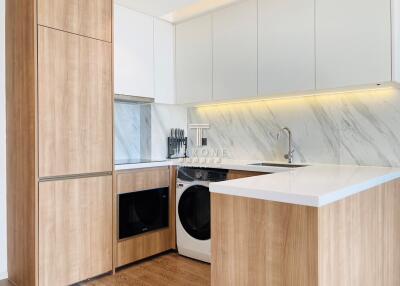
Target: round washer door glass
{"type": "Point", "coordinates": [194, 212]}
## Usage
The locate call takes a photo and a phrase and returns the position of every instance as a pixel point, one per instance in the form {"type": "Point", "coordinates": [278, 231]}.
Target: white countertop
{"type": "Point", "coordinates": [314, 186]}
{"type": "Point", "coordinates": [241, 165]}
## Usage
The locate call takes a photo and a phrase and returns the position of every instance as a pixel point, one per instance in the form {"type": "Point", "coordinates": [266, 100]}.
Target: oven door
{"type": "Point", "coordinates": [143, 211]}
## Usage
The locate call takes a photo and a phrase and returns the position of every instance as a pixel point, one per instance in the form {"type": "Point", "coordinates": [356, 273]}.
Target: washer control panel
{"type": "Point", "coordinates": [190, 174]}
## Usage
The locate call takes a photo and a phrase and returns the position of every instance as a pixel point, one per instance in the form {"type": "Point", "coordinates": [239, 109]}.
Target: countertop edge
{"type": "Point", "coordinates": [302, 199]}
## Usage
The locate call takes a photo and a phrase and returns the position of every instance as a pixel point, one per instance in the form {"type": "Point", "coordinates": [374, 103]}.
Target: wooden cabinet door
{"type": "Point", "coordinates": [194, 60]}
{"type": "Point", "coordinates": [75, 104]}
{"type": "Point", "coordinates": [75, 230]}
{"type": "Point", "coordinates": [133, 53]}
{"type": "Point", "coordinates": [91, 18]}
{"type": "Point", "coordinates": [238, 174]}
{"type": "Point", "coordinates": [353, 42]}
{"type": "Point", "coordinates": [286, 46]}
{"type": "Point", "coordinates": [235, 51]}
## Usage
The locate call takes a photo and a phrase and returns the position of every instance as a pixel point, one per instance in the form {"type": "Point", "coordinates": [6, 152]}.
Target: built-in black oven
{"type": "Point", "coordinates": [143, 211]}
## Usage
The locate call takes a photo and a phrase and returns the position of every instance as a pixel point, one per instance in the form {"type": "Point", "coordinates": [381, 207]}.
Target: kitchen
{"type": "Point", "coordinates": [225, 142]}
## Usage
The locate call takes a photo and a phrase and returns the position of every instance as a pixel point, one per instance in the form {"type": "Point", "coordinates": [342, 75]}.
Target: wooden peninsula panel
{"type": "Point", "coordinates": [359, 239]}
{"type": "Point", "coordinates": [353, 242]}
{"type": "Point", "coordinates": [258, 243]}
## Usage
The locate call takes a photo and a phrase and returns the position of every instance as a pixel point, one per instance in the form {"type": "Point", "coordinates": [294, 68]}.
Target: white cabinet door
{"type": "Point", "coordinates": [235, 51]}
{"type": "Point", "coordinates": [353, 41]}
{"type": "Point", "coordinates": [194, 60]}
{"type": "Point", "coordinates": [286, 46]}
{"type": "Point", "coordinates": [133, 53]}
{"type": "Point", "coordinates": [164, 62]}
{"type": "Point", "coordinates": [396, 40]}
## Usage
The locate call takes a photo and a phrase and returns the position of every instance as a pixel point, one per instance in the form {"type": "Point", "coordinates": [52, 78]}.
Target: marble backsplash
{"type": "Point", "coordinates": [132, 131]}
{"type": "Point", "coordinates": [360, 128]}
{"type": "Point", "coordinates": [142, 130]}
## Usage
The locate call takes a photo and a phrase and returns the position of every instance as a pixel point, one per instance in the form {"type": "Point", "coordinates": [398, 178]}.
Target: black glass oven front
{"type": "Point", "coordinates": [143, 211]}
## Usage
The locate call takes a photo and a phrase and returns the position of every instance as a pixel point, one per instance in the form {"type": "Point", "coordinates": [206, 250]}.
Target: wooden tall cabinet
{"type": "Point", "coordinates": [59, 99]}
{"type": "Point", "coordinates": [91, 18]}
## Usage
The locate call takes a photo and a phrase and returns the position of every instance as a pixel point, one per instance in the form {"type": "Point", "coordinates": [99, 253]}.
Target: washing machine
{"type": "Point", "coordinates": [193, 223]}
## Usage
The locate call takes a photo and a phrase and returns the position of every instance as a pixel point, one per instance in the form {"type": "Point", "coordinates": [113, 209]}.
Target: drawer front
{"type": "Point", "coordinates": [143, 179]}
{"type": "Point", "coordinates": [144, 246]}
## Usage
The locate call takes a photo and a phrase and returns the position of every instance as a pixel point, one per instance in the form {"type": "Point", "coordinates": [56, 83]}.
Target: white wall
{"type": "Point", "coordinates": [163, 118]}
{"type": "Point", "coordinates": [396, 39]}
{"type": "Point", "coordinates": [3, 249]}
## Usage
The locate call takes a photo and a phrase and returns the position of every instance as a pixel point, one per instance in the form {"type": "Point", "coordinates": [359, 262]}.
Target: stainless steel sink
{"type": "Point", "coordinates": [283, 165]}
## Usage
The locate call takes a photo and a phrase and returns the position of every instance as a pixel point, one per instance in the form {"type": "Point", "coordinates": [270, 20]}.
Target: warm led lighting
{"type": "Point", "coordinates": [387, 90]}
{"type": "Point", "coordinates": [195, 9]}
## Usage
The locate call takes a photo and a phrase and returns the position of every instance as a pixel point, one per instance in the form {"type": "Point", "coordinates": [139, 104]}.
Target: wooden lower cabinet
{"type": "Point", "coordinates": [75, 230]}
{"type": "Point", "coordinates": [143, 179]}
{"type": "Point", "coordinates": [238, 174]}
{"type": "Point", "coordinates": [145, 245]}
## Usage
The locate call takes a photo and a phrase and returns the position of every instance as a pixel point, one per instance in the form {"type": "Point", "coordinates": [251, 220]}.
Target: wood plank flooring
{"type": "Point", "coordinates": [167, 270]}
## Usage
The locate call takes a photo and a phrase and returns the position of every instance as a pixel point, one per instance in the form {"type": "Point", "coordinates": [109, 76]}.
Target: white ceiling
{"type": "Point", "coordinates": [174, 10]}
{"type": "Point", "coordinates": [156, 8]}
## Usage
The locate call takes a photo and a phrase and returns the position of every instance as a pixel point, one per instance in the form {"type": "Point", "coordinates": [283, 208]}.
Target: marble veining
{"type": "Point", "coordinates": [132, 135]}
{"type": "Point", "coordinates": [349, 128]}
{"type": "Point", "coordinates": [141, 130]}
{"type": "Point", "coordinates": [164, 117]}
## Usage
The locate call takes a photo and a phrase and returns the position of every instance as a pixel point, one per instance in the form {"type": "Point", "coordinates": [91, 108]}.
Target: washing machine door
{"type": "Point", "coordinates": [194, 212]}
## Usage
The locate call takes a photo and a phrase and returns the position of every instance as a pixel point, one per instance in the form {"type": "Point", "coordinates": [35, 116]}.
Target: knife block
{"type": "Point", "coordinates": [175, 145]}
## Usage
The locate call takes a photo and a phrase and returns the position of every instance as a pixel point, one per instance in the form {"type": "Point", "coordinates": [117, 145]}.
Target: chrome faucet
{"type": "Point", "coordinates": [289, 155]}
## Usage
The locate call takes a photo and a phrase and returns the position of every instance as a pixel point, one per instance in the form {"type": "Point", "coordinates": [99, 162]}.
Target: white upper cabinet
{"type": "Point", "coordinates": [194, 60]}
{"type": "Point", "coordinates": [396, 40]}
{"type": "Point", "coordinates": [164, 62]}
{"type": "Point", "coordinates": [235, 51]}
{"type": "Point", "coordinates": [353, 42]}
{"type": "Point", "coordinates": [286, 46]}
{"type": "Point", "coordinates": [133, 53]}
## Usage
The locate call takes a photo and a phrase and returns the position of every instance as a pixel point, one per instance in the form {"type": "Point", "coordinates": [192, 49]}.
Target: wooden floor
{"type": "Point", "coordinates": [170, 269]}
{"type": "Point", "coordinates": [166, 270]}
{"type": "Point", "coordinates": [5, 283]}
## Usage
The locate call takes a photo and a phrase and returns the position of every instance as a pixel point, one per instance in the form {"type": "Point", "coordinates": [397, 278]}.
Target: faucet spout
{"type": "Point", "coordinates": [289, 155]}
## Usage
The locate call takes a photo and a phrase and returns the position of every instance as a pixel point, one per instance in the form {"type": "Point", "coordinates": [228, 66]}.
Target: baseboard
{"type": "Point", "coordinates": [3, 275]}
